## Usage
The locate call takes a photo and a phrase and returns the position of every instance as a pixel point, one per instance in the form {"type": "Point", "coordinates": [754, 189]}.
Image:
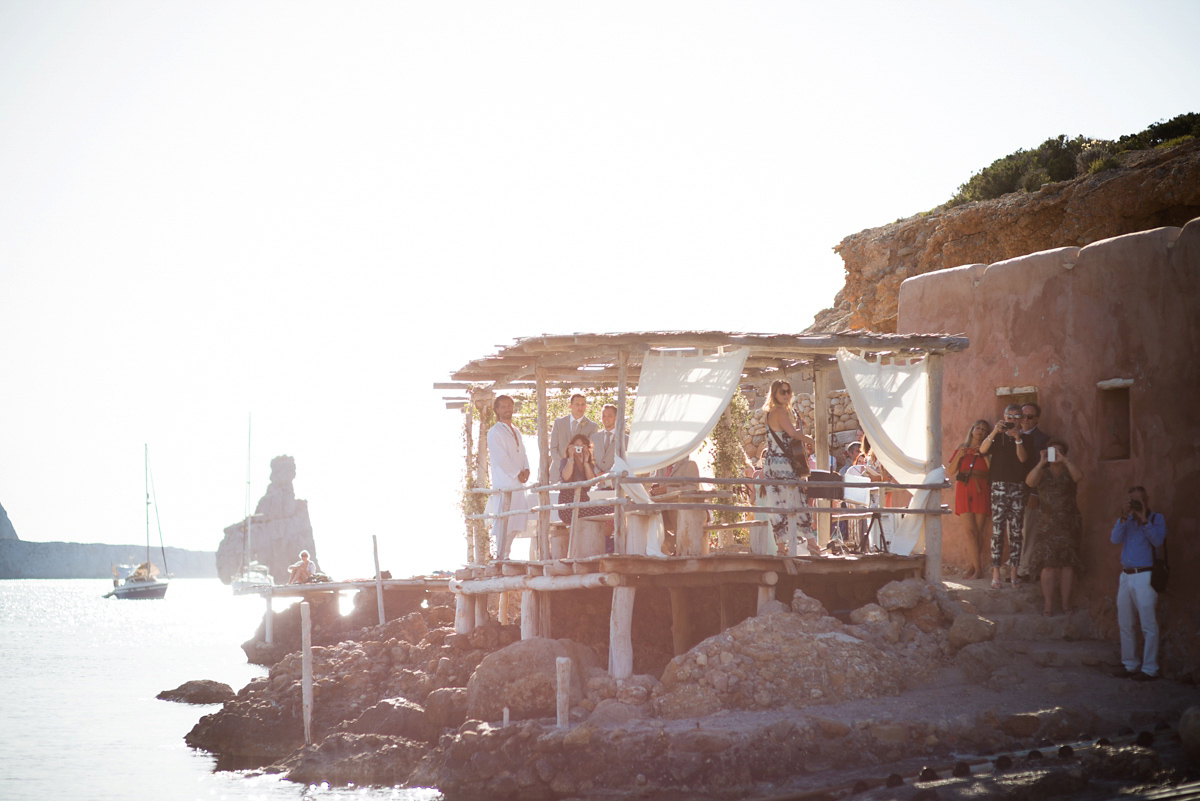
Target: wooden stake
{"type": "Point", "coordinates": [529, 628]}
{"type": "Point", "coordinates": [563, 696]}
{"type": "Point", "coordinates": [306, 667]}
{"type": "Point", "coordinates": [464, 613]}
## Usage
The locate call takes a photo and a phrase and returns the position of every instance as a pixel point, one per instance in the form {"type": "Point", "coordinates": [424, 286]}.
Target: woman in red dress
{"type": "Point", "coordinates": [972, 497]}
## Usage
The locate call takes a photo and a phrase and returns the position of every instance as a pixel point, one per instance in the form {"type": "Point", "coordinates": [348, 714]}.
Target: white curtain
{"type": "Point", "coordinates": [679, 400]}
{"type": "Point", "coordinates": [892, 405]}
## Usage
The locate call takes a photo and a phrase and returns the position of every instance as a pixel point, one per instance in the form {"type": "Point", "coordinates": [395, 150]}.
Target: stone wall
{"type": "Point", "coordinates": [842, 418]}
{"type": "Point", "coordinates": [1056, 324]}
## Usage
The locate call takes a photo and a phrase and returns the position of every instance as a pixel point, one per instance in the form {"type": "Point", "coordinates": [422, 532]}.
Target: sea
{"type": "Point", "coordinates": [78, 678]}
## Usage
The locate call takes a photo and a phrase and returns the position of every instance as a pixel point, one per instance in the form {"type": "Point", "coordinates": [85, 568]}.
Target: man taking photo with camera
{"type": "Point", "coordinates": [1138, 531]}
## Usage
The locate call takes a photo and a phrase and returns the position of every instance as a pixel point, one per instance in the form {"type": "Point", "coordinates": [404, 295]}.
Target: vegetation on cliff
{"type": "Point", "coordinates": [1061, 159]}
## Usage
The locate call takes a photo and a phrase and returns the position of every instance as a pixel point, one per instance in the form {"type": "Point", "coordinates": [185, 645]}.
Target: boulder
{"type": "Point", "coordinates": [804, 605]}
{"type": "Point", "coordinates": [870, 613]}
{"type": "Point", "coordinates": [967, 629]}
{"type": "Point", "coordinates": [1189, 733]}
{"type": "Point", "coordinates": [359, 759]}
{"type": "Point", "coordinates": [523, 677]}
{"type": "Point", "coordinates": [904, 594]}
{"type": "Point", "coordinates": [395, 717]}
{"type": "Point", "coordinates": [201, 691]}
{"type": "Point", "coordinates": [978, 660]}
{"type": "Point", "coordinates": [611, 712]}
{"type": "Point", "coordinates": [446, 708]}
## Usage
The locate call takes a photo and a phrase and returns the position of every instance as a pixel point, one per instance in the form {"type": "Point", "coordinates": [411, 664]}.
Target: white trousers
{"type": "Point", "coordinates": [1136, 599]}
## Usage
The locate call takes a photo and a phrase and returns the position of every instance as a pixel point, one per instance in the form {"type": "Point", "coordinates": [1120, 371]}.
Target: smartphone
{"type": "Point", "coordinates": [1051, 455]}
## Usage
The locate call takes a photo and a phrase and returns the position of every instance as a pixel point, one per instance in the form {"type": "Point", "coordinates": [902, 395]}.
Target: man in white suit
{"type": "Point", "coordinates": [509, 467]}
{"type": "Point", "coordinates": [604, 441]}
{"type": "Point", "coordinates": [568, 426]}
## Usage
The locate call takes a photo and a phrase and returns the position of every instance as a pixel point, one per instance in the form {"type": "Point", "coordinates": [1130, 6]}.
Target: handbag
{"type": "Point", "coordinates": [794, 451]}
{"type": "Point", "coordinates": [1160, 572]}
{"type": "Point", "coordinates": [965, 475]}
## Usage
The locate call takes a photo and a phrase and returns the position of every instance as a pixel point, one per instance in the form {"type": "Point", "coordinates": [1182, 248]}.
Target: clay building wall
{"type": "Point", "coordinates": [1053, 326]}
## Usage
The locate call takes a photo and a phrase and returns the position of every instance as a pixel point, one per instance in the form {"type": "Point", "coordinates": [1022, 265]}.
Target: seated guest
{"type": "Point", "coordinates": [302, 572]}
{"type": "Point", "coordinates": [684, 528]}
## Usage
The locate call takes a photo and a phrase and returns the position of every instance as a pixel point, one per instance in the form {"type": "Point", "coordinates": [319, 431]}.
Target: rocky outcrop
{"type": "Point", "coordinates": [7, 532]}
{"type": "Point", "coordinates": [1153, 189]}
{"type": "Point", "coordinates": [200, 691]}
{"type": "Point", "coordinates": [21, 559]}
{"type": "Point", "coordinates": [279, 529]}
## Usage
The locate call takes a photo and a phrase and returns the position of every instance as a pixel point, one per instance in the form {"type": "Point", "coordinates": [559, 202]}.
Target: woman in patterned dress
{"type": "Point", "coordinates": [1060, 525]}
{"type": "Point", "coordinates": [782, 428]}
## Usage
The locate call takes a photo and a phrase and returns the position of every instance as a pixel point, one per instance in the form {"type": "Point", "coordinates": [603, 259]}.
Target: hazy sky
{"type": "Point", "coordinates": [312, 211]}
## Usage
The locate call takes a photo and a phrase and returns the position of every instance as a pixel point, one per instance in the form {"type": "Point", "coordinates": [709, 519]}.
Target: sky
{"type": "Point", "coordinates": [306, 214]}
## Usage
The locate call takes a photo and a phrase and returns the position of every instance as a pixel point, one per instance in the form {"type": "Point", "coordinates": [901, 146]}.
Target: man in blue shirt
{"type": "Point", "coordinates": [1138, 531]}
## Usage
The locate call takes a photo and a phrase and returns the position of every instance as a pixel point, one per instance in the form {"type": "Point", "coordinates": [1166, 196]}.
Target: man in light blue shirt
{"type": "Point", "coordinates": [1138, 531]}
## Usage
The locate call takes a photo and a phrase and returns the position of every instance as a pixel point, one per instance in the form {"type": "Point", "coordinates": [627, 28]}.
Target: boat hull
{"type": "Point", "coordinates": [142, 590]}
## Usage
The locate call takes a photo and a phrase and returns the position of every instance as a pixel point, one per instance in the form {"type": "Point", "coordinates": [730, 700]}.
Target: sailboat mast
{"type": "Point", "coordinates": [249, 513]}
{"type": "Point", "coordinates": [146, 460]}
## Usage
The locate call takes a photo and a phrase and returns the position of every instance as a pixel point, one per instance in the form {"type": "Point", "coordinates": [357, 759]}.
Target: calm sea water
{"type": "Point", "coordinates": [78, 716]}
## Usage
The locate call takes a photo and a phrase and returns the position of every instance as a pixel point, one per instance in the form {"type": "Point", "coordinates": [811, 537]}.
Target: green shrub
{"type": "Point", "coordinates": [1179, 140]}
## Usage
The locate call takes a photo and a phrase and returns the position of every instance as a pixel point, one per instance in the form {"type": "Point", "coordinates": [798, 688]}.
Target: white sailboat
{"type": "Point", "coordinates": [144, 581]}
{"type": "Point", "coordinates": [254, 575]}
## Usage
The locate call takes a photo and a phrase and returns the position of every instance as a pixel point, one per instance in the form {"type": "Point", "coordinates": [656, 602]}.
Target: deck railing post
{"type": "Point", "coordinates": [378, 579]}
{"type": "Point", "coordinates": [544, 459]}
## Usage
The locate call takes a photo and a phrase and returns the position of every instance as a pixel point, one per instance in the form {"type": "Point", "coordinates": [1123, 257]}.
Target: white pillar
{"type": "Point", "coordinates": [306, 667]}
{"type": "Point", "coordinates": [933, 523]}
{"type": "Point", "coordinates": [620, 633]}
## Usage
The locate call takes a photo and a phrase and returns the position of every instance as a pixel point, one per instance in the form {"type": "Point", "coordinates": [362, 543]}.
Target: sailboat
{"type": "Point", "coordinates": [254, 575]}
{"type": "Point", "coordinates": [144, 581]}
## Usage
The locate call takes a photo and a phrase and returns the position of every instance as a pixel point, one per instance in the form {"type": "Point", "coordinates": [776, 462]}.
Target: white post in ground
{"type": "Point", "coordinates": [378, 580]}
{"type": "Point", "coordinates": [563, 698]}
{"type": "Point", "coordinates": [529, 614]}
{"type": "Point", "coordinates": [464, 613]}
{"type": "Point", "coordinates": [306, 668]}
{"type": "Point", "coordinates": [268, 621]}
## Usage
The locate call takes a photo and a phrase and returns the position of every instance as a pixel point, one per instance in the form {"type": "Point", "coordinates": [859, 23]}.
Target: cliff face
{"type": "Point", "coordinates": [7, 532]}
{"type": "Point", "coordinates": [1153, 189]}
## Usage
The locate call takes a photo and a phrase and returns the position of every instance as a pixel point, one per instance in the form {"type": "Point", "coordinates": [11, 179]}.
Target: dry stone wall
{"type": "Point", "coordinates": [842, 418]}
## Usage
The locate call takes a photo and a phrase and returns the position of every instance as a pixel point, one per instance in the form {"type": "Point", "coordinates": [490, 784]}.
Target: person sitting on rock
{"type": "Point", "coordinates": [302, 572]}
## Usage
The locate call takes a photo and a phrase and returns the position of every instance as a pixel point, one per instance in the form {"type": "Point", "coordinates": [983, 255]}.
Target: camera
{"type": "Point", "coordinates": [579, 449]}
{"type": "Point", "coordinates": [1135, 505]}
{"type": "Point", "coordinates": [1008, 426]}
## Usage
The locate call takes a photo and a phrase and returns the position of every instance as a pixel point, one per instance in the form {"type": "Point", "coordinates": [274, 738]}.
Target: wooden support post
{"type": "Point", "coordinates": [620, 633]}
{"type": "Point", "coordinates": [620, 524]}
{"type": "Point", "coordinates": [766, 593]}
{"type": "Point", "coordinates": [933, 523]}
{"type": "Point", "coordinates": [464, 613]}
{"type": "Point", "coordinates": [821, 435]}
{"type": "Point", "coordinates": [378, 580]}
{"type": "Point", "coordinates": [478, 546]}
{"type": "Point", "coordinates": [545, 599]}
{"type": "Point", "coordinates": [505, 611]}
{"type": "Point", "coordinates": [543, 529]}
{"type": "Point", "coordinates": [306, 669]}
{"type": "Point", "coordinates": [563, 694]}
{"type": "Point", "coordinates": [269, 620]}
{"type": "Point", "coordinates": [529, 628]}
{"type": "Point", "coordinates": [681, 634]}
{"type": "Point", "coordinates": [481, 610]}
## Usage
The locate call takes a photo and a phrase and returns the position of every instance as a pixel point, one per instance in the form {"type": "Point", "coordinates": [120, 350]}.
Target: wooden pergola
{"type": "Point", "coordinates": [580, 361]}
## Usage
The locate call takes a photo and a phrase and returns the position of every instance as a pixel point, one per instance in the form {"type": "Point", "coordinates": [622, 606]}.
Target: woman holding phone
{"type": "Point", "coordinates": [1060, 526]}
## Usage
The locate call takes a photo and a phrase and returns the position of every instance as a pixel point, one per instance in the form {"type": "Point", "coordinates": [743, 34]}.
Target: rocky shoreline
{"type": "Point", "coordinates": [790, 698]}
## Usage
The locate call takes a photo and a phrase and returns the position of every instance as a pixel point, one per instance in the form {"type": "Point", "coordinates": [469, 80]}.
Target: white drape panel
{"type": "Point", "coordinates": [892, 402]}
{"type": "Point", "coordinates": [679, 400]}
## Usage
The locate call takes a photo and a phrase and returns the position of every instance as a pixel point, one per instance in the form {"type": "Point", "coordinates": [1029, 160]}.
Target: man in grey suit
{"type": "Point", "coordinates": [604, 441]}
{"type": "Point", "coordinates": [568, 426]}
